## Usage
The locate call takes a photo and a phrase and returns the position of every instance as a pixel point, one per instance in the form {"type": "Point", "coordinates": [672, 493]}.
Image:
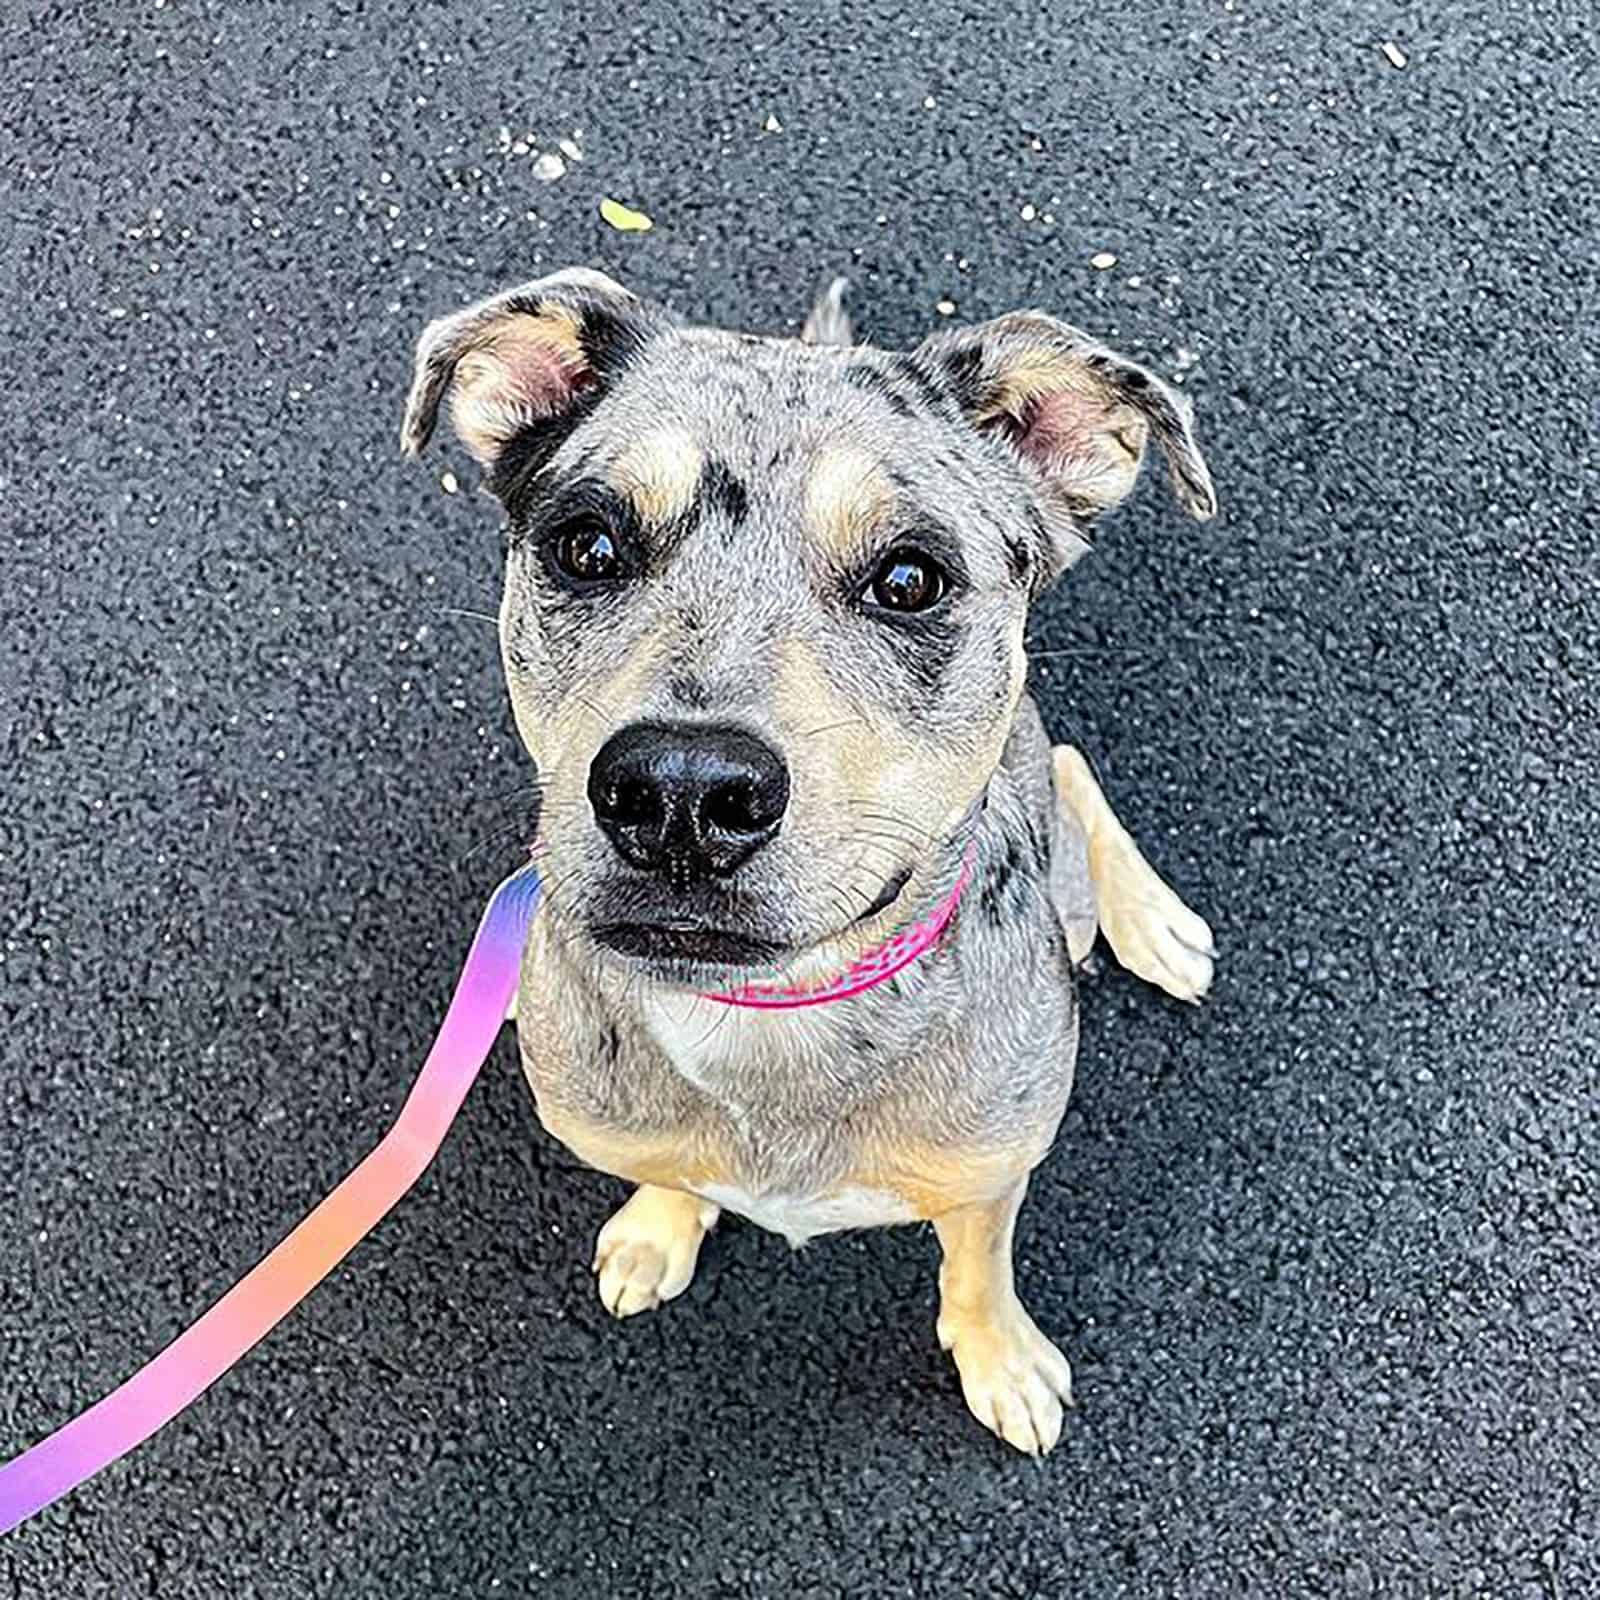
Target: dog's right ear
{"type": "Point", "coordinates": [524, 367]}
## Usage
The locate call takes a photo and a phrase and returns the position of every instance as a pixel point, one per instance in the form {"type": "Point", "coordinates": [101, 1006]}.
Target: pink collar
{"type": "Point", "coordinates": [867, 971]}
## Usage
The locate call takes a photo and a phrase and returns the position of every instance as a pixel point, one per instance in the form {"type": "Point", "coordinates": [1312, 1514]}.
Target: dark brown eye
{"type": "Point", "coordinates": [906, 580]}
{"type": "Point", "coordinates": [588, 551]}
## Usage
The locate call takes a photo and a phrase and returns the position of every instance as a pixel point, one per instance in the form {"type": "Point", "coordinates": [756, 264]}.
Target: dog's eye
{"type": "Point", "coordinates": [906, 580]}
{"type": "Point", "coordinates": [588, 551]}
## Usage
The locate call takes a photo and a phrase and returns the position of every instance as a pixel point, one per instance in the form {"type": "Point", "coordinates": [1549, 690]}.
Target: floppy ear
{"type": "Point", "coordinates": [522, 368]}
{"type": "Point", "coordinates": [1074, 414]}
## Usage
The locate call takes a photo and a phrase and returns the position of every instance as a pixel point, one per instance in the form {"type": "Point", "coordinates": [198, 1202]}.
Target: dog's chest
{"type": "Point", "coordinates": [767, 1074]}
{"type": "Point", "coordinates": [802, 1217]}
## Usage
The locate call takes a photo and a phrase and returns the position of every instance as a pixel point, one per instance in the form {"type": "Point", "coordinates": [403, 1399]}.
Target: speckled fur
{"type": "Point", "coordinates": [753, 484]}
{"type": "Point", "coordinates": [962, 1063]}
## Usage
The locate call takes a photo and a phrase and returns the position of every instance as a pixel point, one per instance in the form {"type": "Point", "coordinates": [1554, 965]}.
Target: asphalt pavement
{"type": "Point", "coordinates": [1322, 1252]}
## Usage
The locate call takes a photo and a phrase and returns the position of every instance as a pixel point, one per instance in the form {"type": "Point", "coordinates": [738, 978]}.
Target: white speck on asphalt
{"type": "Point", "coordinates": [448, 481]}
{"type": "Point", "coordinates": [549, 167]}
{"type": "Point", "coordinates": [1102, 261]}
{"type": "Point", "coordinates": [1029, 213]}
{"type": "Point", "coordinates": [945, 308]}
{"type": "Point", "coordinates": [569, 148]}
{"type": "Point", "coordinates": [1395, 55]}
{"type": "Point", "coordinates": [772, 125]}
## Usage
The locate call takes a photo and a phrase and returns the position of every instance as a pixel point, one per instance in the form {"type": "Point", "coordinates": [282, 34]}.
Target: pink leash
{"type": "Point", "coordinates": [286, 1275]}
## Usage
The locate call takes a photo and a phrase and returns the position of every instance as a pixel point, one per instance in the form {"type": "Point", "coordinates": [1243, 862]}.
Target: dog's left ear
{"type": "Point", "coordinates": [522, 368]}
{"type": "Point", "coordinates": [1074, 414]}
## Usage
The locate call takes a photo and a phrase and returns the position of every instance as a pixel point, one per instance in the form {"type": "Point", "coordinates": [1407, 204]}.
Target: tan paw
{"type": "Point", "coordinates": [646, 1253]}
{"type": "Point", "coordinates": [1150, 930]}
{"type": "Point", "coordinates": [1015, 1381]}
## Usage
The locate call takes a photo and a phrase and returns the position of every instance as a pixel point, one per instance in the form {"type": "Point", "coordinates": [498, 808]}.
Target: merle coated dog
{"type": "Point", "coordinates": [816, 881]}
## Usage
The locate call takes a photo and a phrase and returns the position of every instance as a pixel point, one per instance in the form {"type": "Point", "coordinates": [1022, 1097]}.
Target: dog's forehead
{"type": "Point", "coordinates": [773, 410]}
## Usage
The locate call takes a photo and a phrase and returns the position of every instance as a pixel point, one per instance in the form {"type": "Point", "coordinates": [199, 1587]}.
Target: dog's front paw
{"type": "Point", "coordinates": [646, 1253]}
{"type": "Point", "coordinates": [1015, 1381]}
{"type": "Point", "coordinates": [1150, 930]}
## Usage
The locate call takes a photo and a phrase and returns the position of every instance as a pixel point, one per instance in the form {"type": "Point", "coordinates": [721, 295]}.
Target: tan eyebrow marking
{"type": "Point", "coordinates": [847, 496]}
{"type": "Point", "coordinates": [659, 474]}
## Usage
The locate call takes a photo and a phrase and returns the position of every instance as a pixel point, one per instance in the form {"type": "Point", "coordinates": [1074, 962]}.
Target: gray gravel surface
{"type": "Point", "coordinates": [1323, 1252]}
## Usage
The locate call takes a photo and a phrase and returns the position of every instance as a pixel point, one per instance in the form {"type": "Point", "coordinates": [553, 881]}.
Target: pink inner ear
{"type": "Point", "coordinates": [1087, 448]}
{"type": "Point", "coordinates": [530, 369]}
{"type": "Point", "coordinates": [1065, 426]}
{"type": "Point", "coordinates": [541, 379]}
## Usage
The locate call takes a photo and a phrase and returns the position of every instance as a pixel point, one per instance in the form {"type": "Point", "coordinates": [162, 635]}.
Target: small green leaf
{"type": "Point", "coordinates": [623, 219]}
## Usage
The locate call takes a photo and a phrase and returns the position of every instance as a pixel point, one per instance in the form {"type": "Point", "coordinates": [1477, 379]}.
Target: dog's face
{"type": "Point", "coordinates": [764, 600]}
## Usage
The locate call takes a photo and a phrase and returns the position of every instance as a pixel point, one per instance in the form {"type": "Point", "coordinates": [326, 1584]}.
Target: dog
{"type": "Point", "coordinates": [816, 885]}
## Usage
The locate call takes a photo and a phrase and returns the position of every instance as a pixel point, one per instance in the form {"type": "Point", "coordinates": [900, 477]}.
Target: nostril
{"type": "Point", "coordinates": [630, 801]}
{"type": "Point", "coordinates": [732, 808]}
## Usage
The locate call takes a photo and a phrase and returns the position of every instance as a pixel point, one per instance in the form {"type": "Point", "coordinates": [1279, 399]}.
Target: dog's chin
{"type": "Point", "coordinates": [685, 953]}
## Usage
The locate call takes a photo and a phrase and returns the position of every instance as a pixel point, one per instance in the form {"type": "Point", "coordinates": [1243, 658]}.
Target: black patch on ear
{"type": "Point", "coordinates": [722, 491]}
{"type": "Point", "coordinates": [609, 340]}
{"type": "Point", "coordinates": [933, 394]}
{"type": "Point", "coordinates": [861, 375]}
{"type": "Point", "coordinates": [961, 368]}
{"type": "Point", "coordinates": [612, 339]}
{"type": "Point", "coordinates": [613, 336]}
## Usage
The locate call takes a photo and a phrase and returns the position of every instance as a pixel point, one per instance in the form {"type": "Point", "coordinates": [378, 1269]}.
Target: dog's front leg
{"type": "Point", "coordinates": [646, 1253]}
{"type": "Point", "coordinates": [1015, 1381]}
{"type": "Point", "coordinates": [1150, 930]}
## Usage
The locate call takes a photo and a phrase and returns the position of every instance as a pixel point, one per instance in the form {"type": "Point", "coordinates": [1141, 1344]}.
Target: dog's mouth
{"type": "Point", "coordinates": [686, 945]}
{"type": "Point", "coordinates": [886, 897]}
{"type": "Point", "coordinates": [689, 949]}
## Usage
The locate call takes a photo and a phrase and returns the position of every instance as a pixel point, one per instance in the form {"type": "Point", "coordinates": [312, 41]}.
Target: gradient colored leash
{"type": "Point", "coordinates": [255, 1305]}
{"type": "Point", "coordinates": [188, 1366]}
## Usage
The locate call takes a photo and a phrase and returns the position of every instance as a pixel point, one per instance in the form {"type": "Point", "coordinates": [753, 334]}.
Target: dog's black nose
{"type": "Point", "coordinates": [687, 800]}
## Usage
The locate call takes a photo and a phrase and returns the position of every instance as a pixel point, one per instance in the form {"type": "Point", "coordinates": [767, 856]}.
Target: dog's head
{"type": "Point", "coordinates": [764, 599]}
